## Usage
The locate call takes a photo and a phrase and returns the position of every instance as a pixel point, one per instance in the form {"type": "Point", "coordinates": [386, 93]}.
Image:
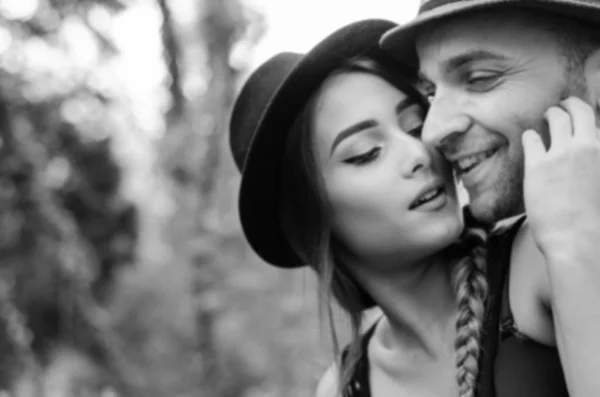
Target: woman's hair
{"type": "Point", "coordinates": [471, 290]}
{"type": "Point", "coordinates": [305, 215]}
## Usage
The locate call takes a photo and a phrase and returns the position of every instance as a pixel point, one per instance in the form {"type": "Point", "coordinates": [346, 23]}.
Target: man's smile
{"type": "Point", "coordinates": [465, 163]}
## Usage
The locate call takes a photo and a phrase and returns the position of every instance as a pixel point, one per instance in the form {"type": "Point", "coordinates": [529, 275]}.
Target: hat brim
{"type": "Point", "coordinates": [399, 42]}
{"type": "Point", "coordinates": [261, 176]}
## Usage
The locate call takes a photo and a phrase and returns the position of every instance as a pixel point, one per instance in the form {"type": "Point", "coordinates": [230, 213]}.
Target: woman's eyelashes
{"type": "Point", "coordinates": [365, 157]}
{"type": "Point", "coordinates": [409, 121]}
{"type": "Point", "coordinates": [416, 132]}
{"type": "Point", "coordinates": [373, 153]}
{"type": "Point", "coordinates": [411, 124]}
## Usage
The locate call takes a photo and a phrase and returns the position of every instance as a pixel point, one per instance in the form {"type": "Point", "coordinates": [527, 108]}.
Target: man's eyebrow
{"type": "Point", "coordinates": [353, 129]}
{"type": "Point", "coordinates": [465, 58]}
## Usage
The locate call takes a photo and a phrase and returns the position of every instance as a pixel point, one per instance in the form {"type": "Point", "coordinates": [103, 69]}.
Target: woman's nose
{"type": "Point", "coordinates": [417, 157]}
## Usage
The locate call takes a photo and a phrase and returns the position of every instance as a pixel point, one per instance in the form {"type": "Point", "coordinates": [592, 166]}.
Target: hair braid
{"type": "Point", "coordinates": [471, 289]}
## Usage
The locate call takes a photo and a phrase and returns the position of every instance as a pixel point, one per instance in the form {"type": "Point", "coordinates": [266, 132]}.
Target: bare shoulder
{"type": "Point", "coordinates": [328, 385]}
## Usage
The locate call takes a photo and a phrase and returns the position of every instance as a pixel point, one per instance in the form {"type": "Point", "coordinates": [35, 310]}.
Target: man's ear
{"type": "Point", "coordinates": [592, 78]}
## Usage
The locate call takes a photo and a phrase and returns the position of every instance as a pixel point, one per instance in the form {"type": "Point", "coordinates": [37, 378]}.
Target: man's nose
{"type": "Point", "coordinates": [445, 120]}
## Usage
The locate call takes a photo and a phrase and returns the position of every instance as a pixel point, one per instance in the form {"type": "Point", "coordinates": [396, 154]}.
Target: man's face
{"type": "Point", "coordinates": [491, 77]}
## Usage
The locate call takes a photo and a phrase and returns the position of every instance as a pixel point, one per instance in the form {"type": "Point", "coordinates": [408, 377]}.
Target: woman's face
{"type": "Point", "coordinates": [391, 196]}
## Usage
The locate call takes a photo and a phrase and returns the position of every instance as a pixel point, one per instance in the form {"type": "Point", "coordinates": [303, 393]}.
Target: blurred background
{"type": "Point", "coordinates": [123, 270]}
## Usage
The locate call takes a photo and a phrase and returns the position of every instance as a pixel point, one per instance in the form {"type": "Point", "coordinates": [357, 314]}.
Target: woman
{"type": "Point", "coordinates": [334, 176]}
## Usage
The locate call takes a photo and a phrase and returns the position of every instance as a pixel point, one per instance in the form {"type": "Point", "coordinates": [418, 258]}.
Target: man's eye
{"type": "Point", "coordinates": [481, 81]}
{"type": "Point", "coordinates": [364, 158]}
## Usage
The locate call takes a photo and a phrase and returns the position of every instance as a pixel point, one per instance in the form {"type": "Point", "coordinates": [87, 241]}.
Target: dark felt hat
{"type": "Point", "coordinates": [262, 117]}
{"type": "Point", "coordinates": [400, 41]}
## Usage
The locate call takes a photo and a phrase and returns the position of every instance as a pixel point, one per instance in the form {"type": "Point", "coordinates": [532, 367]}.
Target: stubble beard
{"type": "Point", "coordinates": [508, 196]}
{"type": "Point", "coordinates": [504, 201]}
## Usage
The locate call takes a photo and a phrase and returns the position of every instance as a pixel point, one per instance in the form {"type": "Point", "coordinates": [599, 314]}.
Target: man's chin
{"type": "Point", "coordinates": [482, 205]}
{"type": "Point", "coordinates": [482, 212]}
{"type": "Point", "coordinates": [490, 208]}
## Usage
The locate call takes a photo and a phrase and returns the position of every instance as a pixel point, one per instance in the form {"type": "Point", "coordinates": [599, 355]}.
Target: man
{"type": "Point", "coordinates": [494, 69]}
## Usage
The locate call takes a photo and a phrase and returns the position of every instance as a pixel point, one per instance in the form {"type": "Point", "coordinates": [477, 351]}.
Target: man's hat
{"type": "Point", "coordinates": [400, 41]}
{"type": "Point", "coordinates": [262, 117]}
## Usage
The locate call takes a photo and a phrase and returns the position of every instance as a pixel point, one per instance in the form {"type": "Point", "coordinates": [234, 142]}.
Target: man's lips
{"type": "Point", "coordinates": [465, 163]}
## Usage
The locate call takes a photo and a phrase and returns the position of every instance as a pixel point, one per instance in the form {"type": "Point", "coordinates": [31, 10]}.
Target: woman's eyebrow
{"type": "Point", "coordinates": [352, 130]}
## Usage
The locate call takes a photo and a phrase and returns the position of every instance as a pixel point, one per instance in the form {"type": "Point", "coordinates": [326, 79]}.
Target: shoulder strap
{"type": "Point", "coordinates": [499, 252]}
{"type": "Point", "coordinates": [360, 385]}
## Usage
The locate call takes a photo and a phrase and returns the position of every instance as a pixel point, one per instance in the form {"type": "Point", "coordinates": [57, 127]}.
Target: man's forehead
{"type": "Point", "coordinates": [478, 35]}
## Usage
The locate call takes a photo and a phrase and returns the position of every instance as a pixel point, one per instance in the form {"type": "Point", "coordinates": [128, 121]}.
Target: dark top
{"type": "Point", "coordinates": [359, 385]}
{"type": "Point", "coordinates": [513, 365]}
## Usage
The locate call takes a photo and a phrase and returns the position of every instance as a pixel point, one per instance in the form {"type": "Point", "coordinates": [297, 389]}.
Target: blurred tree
{"type": "Point", "coordinates": [193, 148]}
{"type": "Point", "coordinates": [198, 314]}
{"type": "Point", "coordinates": [91, 195]}
{"type": "Point", "coordinates": [65, 225]}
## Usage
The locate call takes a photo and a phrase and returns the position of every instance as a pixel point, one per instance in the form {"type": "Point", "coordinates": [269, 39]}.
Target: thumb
{"type": "Point", "coordinates": [533, 147]}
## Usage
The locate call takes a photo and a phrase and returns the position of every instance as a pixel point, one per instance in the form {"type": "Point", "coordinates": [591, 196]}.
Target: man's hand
{"type": "Point", "coordinates": [562, 184]}
{"type": "Point", "coordinates": [562, 200]}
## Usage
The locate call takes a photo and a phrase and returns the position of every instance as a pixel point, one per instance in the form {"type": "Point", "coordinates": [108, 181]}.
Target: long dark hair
{"type": "Point", "coordinates": [306, 224]}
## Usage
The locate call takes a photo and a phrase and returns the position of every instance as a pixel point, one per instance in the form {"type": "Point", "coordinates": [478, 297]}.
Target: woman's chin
{"type": "Point", "coordinates": [446, 232]}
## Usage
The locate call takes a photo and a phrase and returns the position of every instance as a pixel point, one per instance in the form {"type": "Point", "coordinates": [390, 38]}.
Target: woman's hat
{"type": "Point", "coordinates": [262, 117]}
{"type": "Point", "coordinates": [400, 41]}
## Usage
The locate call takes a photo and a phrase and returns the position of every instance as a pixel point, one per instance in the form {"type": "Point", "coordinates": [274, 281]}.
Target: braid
{"type": "Point", "coordinates": [471, 289]}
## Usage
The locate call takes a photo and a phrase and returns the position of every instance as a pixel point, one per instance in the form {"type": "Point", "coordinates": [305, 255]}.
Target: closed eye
{"type": "Point", "coordinates": [364, 158]}
{"type": "Point", "coordinates": [481, 81]}
{"type": "Point", "coordinates": [411, 120]}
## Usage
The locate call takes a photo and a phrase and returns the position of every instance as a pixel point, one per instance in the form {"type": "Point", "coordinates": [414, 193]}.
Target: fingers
{"type": "Point", "coordinates": [533, 147]}
{"type": "Point", "coordinates": [561, 129]}
{"type": "Point", "coordinates": [573, 119]}
{"type": "Point", "coordinates": [583, 118]}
